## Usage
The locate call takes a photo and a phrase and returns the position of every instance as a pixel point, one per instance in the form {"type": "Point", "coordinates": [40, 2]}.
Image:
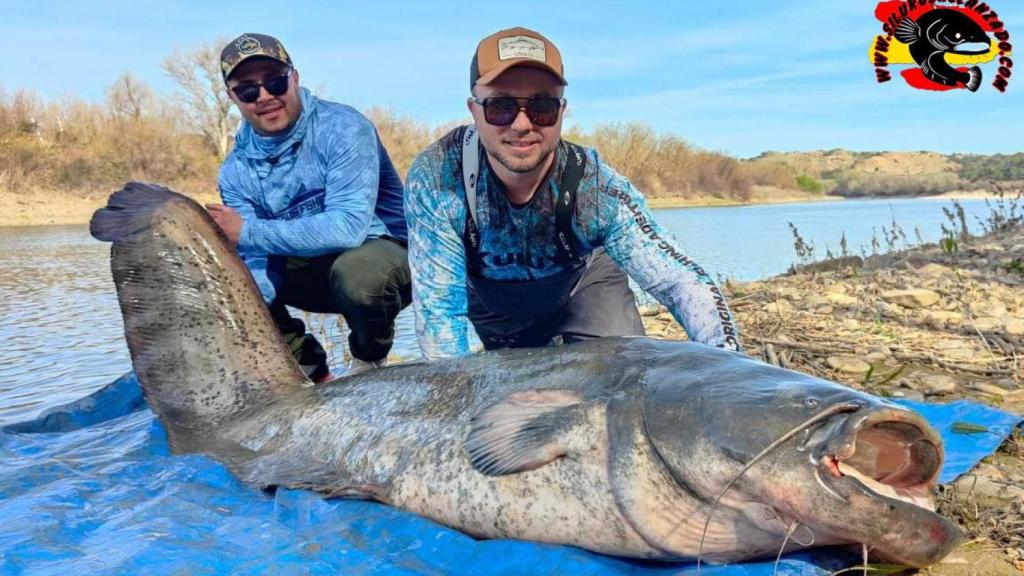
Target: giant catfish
{"type": "Point", "coordinates": [622, 446]}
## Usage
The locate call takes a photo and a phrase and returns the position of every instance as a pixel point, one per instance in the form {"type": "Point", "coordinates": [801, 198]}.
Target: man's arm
{"type": "Point", "coordinates": [437, 260]}
{"type": "Point", "coordinates": [233, 197]}
{"type": "Point", "coordinates": [353, 170]}
{"type": "Point", "coordinates": [654, 259]}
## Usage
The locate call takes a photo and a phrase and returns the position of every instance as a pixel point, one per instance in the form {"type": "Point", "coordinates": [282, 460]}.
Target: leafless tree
{"type": "Point", "coordinates": [21, 112]}
{"type": "Point", "coordinates": [208, 108]}
{"type": "Point", "coordinates": [129, 98]}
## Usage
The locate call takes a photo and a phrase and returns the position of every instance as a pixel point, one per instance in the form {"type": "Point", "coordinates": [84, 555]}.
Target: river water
{"type": "Point", "coordinates": [62, 335]}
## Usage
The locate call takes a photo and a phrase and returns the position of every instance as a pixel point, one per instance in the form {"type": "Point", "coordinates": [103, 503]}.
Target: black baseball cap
{"type": "Point", "coordinates": [250, 45]}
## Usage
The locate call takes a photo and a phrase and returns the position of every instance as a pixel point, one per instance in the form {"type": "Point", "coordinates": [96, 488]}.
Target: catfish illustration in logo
{"type": "Point", "coordinates": [940, 32]}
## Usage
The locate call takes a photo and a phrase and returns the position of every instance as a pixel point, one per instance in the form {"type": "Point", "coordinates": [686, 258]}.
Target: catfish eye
{"type": "Point", "coordinates": [958, 35]}
{"type": "Point", "coordinates": [811, 402]}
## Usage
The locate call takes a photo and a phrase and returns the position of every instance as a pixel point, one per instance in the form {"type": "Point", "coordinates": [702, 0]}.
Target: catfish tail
{"type": "Point", "coordinates": [974, 78]}
{"type": "Point", "coordinates": [202, 341]}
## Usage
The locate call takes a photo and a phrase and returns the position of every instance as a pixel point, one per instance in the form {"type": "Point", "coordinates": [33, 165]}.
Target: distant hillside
{"type": "Point", "coordinates": [82, 150]}
{"type": "Point", "coordinates": [857, 174]}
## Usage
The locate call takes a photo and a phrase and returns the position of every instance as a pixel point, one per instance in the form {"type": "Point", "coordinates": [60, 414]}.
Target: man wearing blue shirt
{"type": "Point", "coordinates": [526, 235]}
{"type": "Point", "coordinates": [314, 205]}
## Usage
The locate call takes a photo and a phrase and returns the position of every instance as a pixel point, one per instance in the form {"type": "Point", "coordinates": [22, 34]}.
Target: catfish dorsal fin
{"type": "Point", "coordinates": [524, 431]}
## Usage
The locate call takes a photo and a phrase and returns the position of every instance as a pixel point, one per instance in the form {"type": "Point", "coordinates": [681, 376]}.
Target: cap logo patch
{"type": "Point", "coordinates": [248, 45]}
{"type": "Point", "coordinates": [521, 47]}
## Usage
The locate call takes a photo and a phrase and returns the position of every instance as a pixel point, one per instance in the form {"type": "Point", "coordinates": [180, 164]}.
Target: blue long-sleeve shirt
{"type": "Point", "coordinates": [325, 186]}
{"type": "Point", "coordinates": [516, 243]}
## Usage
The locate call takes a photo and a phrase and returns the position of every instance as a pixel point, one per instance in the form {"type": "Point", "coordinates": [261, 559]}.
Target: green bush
{"type": "Point", "coordinates": [808, 184]}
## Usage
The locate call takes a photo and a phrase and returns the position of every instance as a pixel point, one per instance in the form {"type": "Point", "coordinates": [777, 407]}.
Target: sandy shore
{"type": "Point", "coordinates": [54, 208]}
{"type": "Point", "coordinates": [37, 208]}
{"type": "Point", "coordinates": [970, 195]}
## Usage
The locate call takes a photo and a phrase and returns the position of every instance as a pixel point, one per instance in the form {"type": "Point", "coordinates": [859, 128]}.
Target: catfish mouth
{"type": "Point", "coordinates": [890, 454]}
{"type": "Point", "coordinates": [884, 464]}
{"type": "Point", "coordinates": [972, 48]}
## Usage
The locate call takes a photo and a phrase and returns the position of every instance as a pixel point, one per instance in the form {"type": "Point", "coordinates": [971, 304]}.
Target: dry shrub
{"type": "Point", "coordinates": [402, 136]}
{"type": "Point", "coordinates": [852, 183]}
{"type": "Point", "coordinates": [77, 146]}
{"type": "Point", "coordinates": [666, 166]}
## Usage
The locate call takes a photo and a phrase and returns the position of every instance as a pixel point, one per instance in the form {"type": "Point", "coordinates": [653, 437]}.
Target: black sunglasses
{"type": "Point", "coordinates": [502, 110]}
{"type": "Point", "coordinates": [249, 92]}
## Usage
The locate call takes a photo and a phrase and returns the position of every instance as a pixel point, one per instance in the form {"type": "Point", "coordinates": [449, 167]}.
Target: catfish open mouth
{"type": "Point", "coordinates": [972, 48]}
{"type": "Point", "coordinates": [892, 458]}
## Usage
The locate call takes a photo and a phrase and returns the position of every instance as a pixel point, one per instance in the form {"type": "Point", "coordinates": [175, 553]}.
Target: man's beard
{"type": "Point", "coordinates": [516, 164]}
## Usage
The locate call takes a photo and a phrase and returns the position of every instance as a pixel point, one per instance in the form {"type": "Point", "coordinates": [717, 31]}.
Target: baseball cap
{"type": "Point", "coordinates": [248, 46]}
{"type": "Point", "coordinates": [513, 47]}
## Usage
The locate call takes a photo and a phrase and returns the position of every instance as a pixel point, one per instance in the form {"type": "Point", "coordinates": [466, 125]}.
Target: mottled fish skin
{"type": "Point", "coordinates": [619, 445]}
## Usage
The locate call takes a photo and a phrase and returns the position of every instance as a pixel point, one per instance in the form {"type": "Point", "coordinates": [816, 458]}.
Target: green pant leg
{"type": "Point", "coordinates": [307, 351]}
{"type": "Point", "coordinates": [371, 284]}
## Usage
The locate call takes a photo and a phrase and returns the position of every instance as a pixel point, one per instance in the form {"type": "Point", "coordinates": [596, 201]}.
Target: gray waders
{"type": "Point", "coordinates": [589, 298]}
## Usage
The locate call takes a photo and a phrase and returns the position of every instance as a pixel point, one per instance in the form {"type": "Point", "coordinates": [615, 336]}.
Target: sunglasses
{"type": "Point", "coordinates": [502, 110]}
{"type": "Point", "coordinates": [249, 92]}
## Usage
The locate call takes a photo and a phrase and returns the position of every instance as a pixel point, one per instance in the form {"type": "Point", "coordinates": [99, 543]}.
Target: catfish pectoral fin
{"type": "Point", "coordinates": [523, 432]}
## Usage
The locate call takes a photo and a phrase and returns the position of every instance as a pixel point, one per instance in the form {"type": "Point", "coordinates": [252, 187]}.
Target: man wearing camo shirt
{"type": "Point", "coordinates": [526, 235]}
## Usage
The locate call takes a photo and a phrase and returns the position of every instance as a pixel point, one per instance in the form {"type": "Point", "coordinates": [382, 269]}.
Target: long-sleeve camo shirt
{"type": "Point", "coordinates": [517, 244]}
{"type": "Point", "coordinates": [325, 186]}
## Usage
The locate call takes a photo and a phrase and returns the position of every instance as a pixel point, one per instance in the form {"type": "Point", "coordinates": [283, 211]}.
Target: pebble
{"type": "Point", "coordinates": [938, 384]}
{"type": "Point", "coordinates": [992, 389]}
{"type": "Point", "coordinates": [848, 364]}
{"type": "Point", "coordinates": [1014, 326]}
{"type": "Point", "coordinates": [993, 308]}
{"type": "Point", "coordinates": [943, 316]}
{"type": "Point", "coordinates": [987, 324]}
{"type": "Point", "coordinates": [841, 299]}
{"type": "Point", "coordinates": [913, 298]}
{"type": "Point", "coordinates": [934, 270]}
{"type": "Point", "coordinates": [976, 485]}
{"type": "Point", "coordinates": [779, 307]}
{"type": "Point", "coordinates": [815, 300]}
{"type": "Point", "coordinates": [883, 308]}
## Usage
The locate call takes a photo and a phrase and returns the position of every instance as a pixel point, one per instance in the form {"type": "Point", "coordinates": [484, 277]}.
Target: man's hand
{"type": "Point", "coordinates": [228, 220]}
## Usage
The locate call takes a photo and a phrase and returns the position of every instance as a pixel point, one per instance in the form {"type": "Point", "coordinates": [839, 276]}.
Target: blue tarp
{"type": "Point", "coordinates": [92, 488]}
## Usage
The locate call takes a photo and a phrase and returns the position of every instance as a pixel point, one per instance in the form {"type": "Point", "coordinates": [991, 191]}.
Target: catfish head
{"type": "Point", "coordinates": [843, 466]}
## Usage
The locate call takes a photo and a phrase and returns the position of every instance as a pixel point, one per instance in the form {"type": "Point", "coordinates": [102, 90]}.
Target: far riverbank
{"type": "Point", "coordinates": [55, 208]}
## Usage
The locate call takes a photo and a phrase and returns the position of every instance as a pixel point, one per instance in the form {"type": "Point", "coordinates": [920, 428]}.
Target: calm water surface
{"type": "Point", "coordinates": [62, 335]}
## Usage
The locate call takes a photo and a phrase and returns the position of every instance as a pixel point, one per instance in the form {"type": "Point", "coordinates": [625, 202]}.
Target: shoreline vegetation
{"type": "Point", "coordinates": [60, 158]}
{"type": "Point", "coordinates": [66, 208]}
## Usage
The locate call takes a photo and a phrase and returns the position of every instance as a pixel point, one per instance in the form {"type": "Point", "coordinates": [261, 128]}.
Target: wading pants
{"type": "Point", "coordinates": [368, 285]}
{"type": "Point", "coordinates": [592, 301]}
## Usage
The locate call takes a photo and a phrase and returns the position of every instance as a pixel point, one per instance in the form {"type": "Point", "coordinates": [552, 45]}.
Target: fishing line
{"type": "Point", "coordinates": [830, 411]}
{"type": "Point", "coordinates": [778, 557]}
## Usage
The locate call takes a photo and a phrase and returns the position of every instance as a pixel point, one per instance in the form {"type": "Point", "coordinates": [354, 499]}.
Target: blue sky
{"type": "Point", "coordinates": [742, 77]}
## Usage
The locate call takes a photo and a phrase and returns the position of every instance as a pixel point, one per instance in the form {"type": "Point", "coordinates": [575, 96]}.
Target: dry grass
{"type": "Point", "coordinates": [78, 148]}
